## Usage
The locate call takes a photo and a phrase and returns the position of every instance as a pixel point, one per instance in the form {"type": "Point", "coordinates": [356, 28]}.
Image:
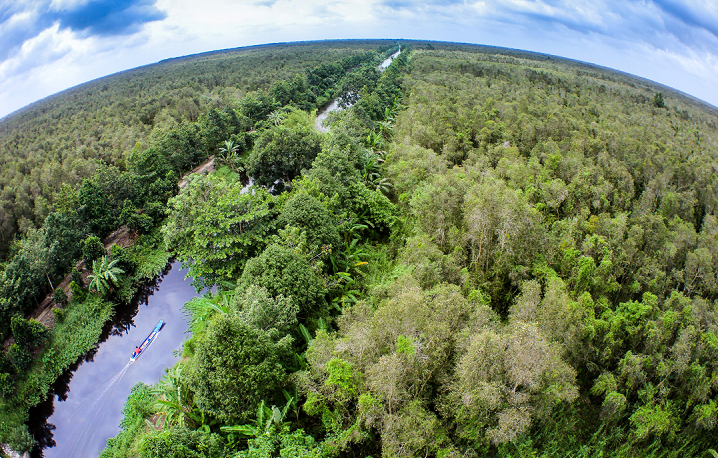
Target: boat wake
{"type": "Point", "coordinates": [93, 409]}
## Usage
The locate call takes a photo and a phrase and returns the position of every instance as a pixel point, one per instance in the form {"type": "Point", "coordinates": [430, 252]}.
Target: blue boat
{"type": "Point", "coordinates": [139, 350]}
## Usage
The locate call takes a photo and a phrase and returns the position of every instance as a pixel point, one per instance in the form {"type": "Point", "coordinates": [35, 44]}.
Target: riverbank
{"type": "Point", "coordinates": [76, 330]}
{"type": "Point", "coordinates": [335, 105]}
{"type": "Point", "coordinates": [94, 389]}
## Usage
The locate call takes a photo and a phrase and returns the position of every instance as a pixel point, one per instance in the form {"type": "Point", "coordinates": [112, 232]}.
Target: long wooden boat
{"type": "Point", "coordinates": [136, 354]}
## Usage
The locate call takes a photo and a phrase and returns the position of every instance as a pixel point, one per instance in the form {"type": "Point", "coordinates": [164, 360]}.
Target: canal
{"type": "Point", "coordinates": [85, 406]}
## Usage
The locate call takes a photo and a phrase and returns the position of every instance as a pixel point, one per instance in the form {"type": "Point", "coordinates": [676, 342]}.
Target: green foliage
{"type": "Point", "coordinates": [307, 213]}
{"type": "Point", "coordinates": [105, 274]}
{"type": "Point", "coordinates": [235, 366]}
{"type": "Point", "coordinates": [93, 249]}
{"type": "Point", "coordinates": [284, 272]}
{"type": "Point", "coordinates": [137, 409]}
{"type": "Point", "coordinates": [59, 297]}
{"type": "Point", "coordinates": [78, 293]}
{"type": "Point", "coordinates": [200, 310]}
{"type": "Point", "coordinates": [523, 253]}
{"type": "Point", "coordinates": [60, 141]}
{"type": "Point", "coordinates": [77, 334]}
{"type": "Point", "coordinates": [7, 387]}
{"type": "Point", "coordinates": [658, 101]}
{"type": "Point", "coordinates": [76, 276]}
{"type": "Point", "coordinates": [28, 332]}
{"type": "Point", "coordinates": [20, 356]}
{"type": "Point", "coordinates": [174, 402]}
{"type": "Point", "coordinates": [277, 316]}
{"type": "Point", "coordinates": [215, 228]}
{"type": "Point", "coordinates": [280, 442]}
{"type": "Point", "coordinates": [282, 153]}
{"type": "Point", "coordinates": [148, 256]}
{"type": "Point", "coordinates": [180, 443]}
{"type": "Point", "coordinates": [95, 209]}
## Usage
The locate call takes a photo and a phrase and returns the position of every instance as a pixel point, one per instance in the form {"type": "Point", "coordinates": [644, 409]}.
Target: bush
{"type": "Point", "coordinates": [20, 356]}
{"type": "Point", "coordinates": [78, 293]}
{"type": "Point", "coordinates": [93, 249]}
{"type": "Point", "coordinates": [7, 386]}
{"type": "Point", "coordinates": [77, 277]}
{"type": "Point", "coordinates": [59, 315]}
{"type": "Point", "coordinates": [28, 332]}
{"type": "Point", "coordinates": [181, 443]}
{"type": "Point", "coordinates": [59, 297]}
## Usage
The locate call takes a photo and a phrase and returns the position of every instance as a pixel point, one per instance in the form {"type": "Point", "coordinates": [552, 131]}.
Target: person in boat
{"type": "Point", "coordinates": [136, 352]}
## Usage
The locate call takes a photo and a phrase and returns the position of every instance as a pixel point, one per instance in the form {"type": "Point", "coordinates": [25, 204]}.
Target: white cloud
{"type": "Point", "coordinates": [49, 46]}
{"type": "Point", "coordinates": [641, 37]}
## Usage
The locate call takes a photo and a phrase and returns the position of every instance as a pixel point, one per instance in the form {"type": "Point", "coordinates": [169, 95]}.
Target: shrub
{"type": "Point", "coordinates": [59, 297]}
{"type": "Point", "coordinates": [93, 249]}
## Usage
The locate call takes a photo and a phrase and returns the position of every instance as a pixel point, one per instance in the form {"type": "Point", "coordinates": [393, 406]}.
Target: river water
{"type": "Point", "coordinates": [334, 106]}
{"type": "Point", "coordinates": [85, 408]}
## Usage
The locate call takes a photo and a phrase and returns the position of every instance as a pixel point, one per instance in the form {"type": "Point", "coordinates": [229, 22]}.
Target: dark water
{"type": "Point", "coordinates": [86, 407]}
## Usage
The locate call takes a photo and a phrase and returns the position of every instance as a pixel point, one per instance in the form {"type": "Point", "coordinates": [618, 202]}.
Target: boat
{"type": "Point", "coordinates": [136, 354]}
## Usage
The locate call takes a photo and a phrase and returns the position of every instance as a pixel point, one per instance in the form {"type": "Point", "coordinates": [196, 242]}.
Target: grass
{"type": "Point", "coordinates": [77, 334]}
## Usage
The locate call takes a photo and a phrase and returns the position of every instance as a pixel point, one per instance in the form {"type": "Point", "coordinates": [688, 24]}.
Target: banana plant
{"type": "Point", "coordinates": [174, 400]}
{"type": "Point", "coordinates": [229, 154]}
{"type": "Point", "coordinates": [201, 309]}
{"type": "Point", "coordinates": [266, 419]}
{"type": "Point", "coordinates": [104, 275]}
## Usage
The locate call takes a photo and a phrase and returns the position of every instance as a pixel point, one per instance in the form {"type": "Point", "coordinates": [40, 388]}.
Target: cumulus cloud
{"type": "Point", "coordinates": [674, 42]}
{"type": "Point", "coordinates": [108, 17]}
{"type": "Point", "coordinates": [23, 21]}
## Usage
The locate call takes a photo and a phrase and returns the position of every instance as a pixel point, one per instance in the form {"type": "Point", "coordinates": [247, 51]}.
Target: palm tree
{"type": "Point", "coordinates": [104, 275]}
{"type": "Point", "coordinates": [276, 117]}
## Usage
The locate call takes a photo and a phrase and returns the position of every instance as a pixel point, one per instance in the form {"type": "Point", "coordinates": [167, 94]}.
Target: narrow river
{"type": "Point", "coordinates": [85, 408]}
{"type": "Point", "coordinates": [334, 106]}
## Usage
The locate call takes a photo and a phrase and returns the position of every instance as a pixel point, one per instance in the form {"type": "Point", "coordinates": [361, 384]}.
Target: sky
{"type": "Point", "coordinates": [47, 46]}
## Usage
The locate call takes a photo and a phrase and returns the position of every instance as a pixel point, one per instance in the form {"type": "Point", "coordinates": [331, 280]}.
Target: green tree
{"type": "Point", "coordinates": [658, 101]}
{"type": "Point", "coordinates": [284, 272]}
{"type": "Point", "coordinates": [504, 380]}
{"type": "Point", "coordinates": [181, 443]}
{"type": "Point", "coordinates": [282, 153]}
{"type": "Point", "coordinates": [93, 249]}
{"type": "Point", "coordinates": [236, 366]}
{"type": "Point", "coordinates": [275, 315]}
{"type": "Point", "coordinates": [59, 297]}
{"type": "Point", "coordinates": [95, 210]}
{"type": "Point", "coordinates": [215, 228]}
{"type": "Point", "coordinates": [30, 333]}
{"type": "Point", "coordinates": [307, 213]}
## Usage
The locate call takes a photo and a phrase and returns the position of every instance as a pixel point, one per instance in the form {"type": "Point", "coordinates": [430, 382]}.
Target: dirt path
{"type": "Point", "coordinates": [207, 167]}
{"type": "Point", "coordinates": [122, 236]}
{"type": "Point", "coordinates": [43, 313]}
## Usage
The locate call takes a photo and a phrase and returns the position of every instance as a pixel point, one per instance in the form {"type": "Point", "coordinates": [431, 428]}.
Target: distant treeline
{"type": "Point", "coordinates": [64, 138]}
{"type": "Point", "coordinates": [134, 192]}
{"type": "Point", "coordinates": [491, 253]}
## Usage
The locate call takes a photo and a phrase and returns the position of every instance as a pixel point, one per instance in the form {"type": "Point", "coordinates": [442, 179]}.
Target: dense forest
{"type": "Point", "coordinates": [490, 253]}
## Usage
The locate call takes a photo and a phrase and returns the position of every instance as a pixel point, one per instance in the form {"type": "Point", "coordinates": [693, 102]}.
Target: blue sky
{"type": "Point", "coordinates": [50, 45]}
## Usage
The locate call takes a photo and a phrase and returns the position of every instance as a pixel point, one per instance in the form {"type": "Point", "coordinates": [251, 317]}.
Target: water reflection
{"type": "Point", "coordinates": [87, 400]}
